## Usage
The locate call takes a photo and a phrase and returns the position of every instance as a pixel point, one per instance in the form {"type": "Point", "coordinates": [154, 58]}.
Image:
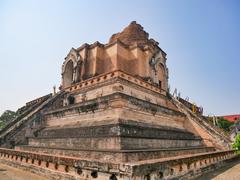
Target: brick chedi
{"type": "Point", "coordinates": [114, 115]}
{"type": "Point", "coordinates": [115, 105]}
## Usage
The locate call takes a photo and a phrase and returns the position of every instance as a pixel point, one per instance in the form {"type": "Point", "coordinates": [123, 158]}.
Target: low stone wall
{"type": "Point", "coordinates": [57, 167]}
{"type": "Point", "coordinates": [185, 167]}
{"type": "Point", "coordinates": [120, 155]}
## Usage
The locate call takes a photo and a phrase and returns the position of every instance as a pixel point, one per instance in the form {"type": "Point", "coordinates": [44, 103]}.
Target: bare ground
{"type": "Point", "coordinates": [11, 173]}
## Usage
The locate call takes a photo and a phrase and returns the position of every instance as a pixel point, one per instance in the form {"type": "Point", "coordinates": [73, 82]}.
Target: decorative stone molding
{"type": "Point", "coordinates": [111, 75]}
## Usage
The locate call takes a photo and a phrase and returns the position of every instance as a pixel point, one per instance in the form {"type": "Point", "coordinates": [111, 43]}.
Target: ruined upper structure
{"type": "Point", "coordinates": [130, 51]}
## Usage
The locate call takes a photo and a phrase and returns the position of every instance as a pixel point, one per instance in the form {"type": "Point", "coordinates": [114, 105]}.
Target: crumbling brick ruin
{"type": "Point", "coordinates": [114, 118]}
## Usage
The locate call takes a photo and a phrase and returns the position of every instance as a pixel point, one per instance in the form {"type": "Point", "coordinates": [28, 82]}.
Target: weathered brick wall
{"type": "Point", "coordinates": [54, 167]}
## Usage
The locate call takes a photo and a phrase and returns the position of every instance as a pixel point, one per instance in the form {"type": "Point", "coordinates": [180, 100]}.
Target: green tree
{"type": "Point", "coordinates": [236, 144]}
{"type": "Point", "coordinates": [224, 124]}
{"type": "Point", "coordinates": [6, 117]}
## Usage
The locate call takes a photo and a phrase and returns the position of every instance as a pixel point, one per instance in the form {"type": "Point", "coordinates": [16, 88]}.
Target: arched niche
{"type": "Point", "coordinates": [68, 74]}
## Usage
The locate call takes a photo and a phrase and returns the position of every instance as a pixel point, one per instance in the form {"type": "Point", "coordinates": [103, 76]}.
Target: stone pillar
{"type": "Point", "coordinates": [78, 71]}
{"type": "Point", "coordinates": [74, 76]}
{"type": "Point", "coordinates": [83, 68]}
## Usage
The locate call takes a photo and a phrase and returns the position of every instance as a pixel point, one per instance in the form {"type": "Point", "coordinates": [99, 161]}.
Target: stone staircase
{"type": "Point", "coordinates": [8, 135]}
{"type": "Point", "coordinates": [221, 139]}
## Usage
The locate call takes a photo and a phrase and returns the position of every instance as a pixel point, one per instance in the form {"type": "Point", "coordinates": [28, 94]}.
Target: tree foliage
{"type": "Point", "coordinates": [6, 117]}
{"type": "Point", "coordinates": [224, 124]}
{"type": "Point", "coordinates": [236, 144]}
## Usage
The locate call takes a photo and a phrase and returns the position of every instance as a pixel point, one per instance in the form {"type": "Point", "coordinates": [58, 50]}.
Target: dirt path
{"type": "Point", "coordinates": [11, 173]}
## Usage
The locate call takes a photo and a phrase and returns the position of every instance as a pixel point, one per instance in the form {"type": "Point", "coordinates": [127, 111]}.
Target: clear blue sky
{"type": "Point", "coordinates": [201, 38]}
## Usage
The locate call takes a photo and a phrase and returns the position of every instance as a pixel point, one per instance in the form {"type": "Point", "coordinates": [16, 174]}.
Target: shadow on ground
{"type": "Point", "coordinates": [229, 164]}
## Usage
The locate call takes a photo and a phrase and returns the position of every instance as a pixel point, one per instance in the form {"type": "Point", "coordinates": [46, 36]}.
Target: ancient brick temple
{"type": "Point", "coordinates": [113, 119]}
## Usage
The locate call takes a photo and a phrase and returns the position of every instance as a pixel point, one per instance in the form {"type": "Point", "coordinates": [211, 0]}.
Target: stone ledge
{"type": "Point", "coordinates": [122, 129]}
{"type": "Point", "coordinates": [114, 74]}
{"type": "Point", "coordinates": [104, 100]}
{"type": "Point", "coordinates": [121, 155]}
{"type": "Point", "coordinates": [123, 151]}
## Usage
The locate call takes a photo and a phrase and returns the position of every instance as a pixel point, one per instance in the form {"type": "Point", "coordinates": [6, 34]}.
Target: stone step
{"type": "Point", "coordinates": [24, 116]}
{"type": "Point", "coordinates": [221, 141]}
